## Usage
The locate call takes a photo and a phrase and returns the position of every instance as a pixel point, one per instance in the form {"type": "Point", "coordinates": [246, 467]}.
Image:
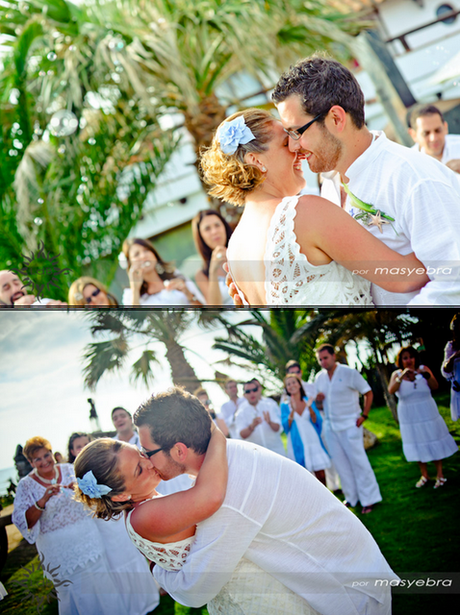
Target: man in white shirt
{"type": "Point", "coordinates": [258, 420]}
{"type": "Point", "coordinates": [429, 130]}
{"type": "Point", "coordinates": [338, 387]}
{"type": "Point", "coordinates": [414, 200]}
{"type": "Point", "coordinates": [230, 407]}
{"type": "Point", "coordinates": [275, 514]}
{"type": "Point", "coordinates": [123, 423]}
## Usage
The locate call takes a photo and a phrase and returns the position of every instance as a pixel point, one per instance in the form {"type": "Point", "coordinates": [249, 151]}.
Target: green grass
{"type": "Point", "coordinates": [416, 529]}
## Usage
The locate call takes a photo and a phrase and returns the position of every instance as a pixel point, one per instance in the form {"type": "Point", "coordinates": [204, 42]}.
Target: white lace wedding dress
{"type": "Point", "coordinates": [250, 591]}
{"type": "Point", "coordinates": [291, 280]}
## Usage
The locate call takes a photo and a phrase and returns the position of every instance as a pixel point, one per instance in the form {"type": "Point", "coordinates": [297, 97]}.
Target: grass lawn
{"type": "Point", "coordinates": [416, 529]}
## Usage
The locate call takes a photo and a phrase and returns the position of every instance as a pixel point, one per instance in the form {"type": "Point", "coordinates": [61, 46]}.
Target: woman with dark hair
{"type": "Point", "coordinates": [154, 281]}
{"type": "Point", "coordinates": [77, 441]}
{"type": "Point", "coordinates": [451, 367]}
{"type": "Point", "coordinates": [89, 292]}
{"type": "Point", "coordinates": [211, 233]}
{"type": "Point", "coordinates": [424, 434]}
{"type": "Point", "coordinates": [303, 428]}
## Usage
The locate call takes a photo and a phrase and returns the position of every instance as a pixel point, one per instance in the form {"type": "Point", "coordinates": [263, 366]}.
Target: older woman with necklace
{"type": "Point", "coordinates": [69, 544]}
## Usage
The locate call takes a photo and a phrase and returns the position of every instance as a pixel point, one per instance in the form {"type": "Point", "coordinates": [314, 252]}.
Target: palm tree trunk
{"type": "Point", "coordinates": [182, 372]}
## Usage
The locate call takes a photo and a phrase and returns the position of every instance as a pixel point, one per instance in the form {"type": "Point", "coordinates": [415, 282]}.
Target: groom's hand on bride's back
{"type": "Point", "coordinates": [233, 292]}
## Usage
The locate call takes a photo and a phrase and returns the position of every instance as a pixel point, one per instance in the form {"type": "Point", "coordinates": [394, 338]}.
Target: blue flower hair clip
{"type": "Point", "coordinates": [234, 133]}
{"type": "Point", "coordinates": [88, 485]}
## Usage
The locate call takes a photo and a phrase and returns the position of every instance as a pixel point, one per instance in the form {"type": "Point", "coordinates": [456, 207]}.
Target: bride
{"type": "Point", "coordinates": [114, 477]}
{"type": "Point", "coordinates": [289, 249]}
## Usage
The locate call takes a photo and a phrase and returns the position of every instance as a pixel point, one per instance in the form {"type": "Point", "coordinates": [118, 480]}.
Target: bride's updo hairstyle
{"type": "Point", "coordinates": [230, 177]}
{"type": "Point", "coordinates": [101, 458]}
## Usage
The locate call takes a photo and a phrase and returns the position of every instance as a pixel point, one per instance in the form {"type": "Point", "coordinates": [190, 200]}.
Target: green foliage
{"type": "Point", "coordinates": [81, 193]}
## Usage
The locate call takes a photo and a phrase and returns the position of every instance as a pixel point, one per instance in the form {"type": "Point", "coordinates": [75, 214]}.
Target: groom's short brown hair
{"type": "Point", "coordinates": [176, 416]}
{"type": "Point", "coordinates": [322, 83]}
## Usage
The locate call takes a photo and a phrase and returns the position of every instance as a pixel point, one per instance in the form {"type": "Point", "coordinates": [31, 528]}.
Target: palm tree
{"type": "Point", "coordinates": [379, 328]}
{"type": "Point", "coordinates": [81, 189]}
{"type": "Point", "coordinates": [125, 330]}
{"type": "Point", "coordinates": [280, 342]}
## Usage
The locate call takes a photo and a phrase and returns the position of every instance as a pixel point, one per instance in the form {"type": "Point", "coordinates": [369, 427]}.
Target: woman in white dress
{"type": "Point", "coordinates": [287, 249]}
{"type": "Point", "coordinates": [300, 424]}
{"type": "Point", "coordinates": [153, 281]}
{"type": "Point", "coordinates": [71, 550]}
{"type": "Point", "coordinates": [424, 433]}
{"type": "Point", "coordinates": [211, 234]}
{"type": "Point", "coordinates": [114, 477]}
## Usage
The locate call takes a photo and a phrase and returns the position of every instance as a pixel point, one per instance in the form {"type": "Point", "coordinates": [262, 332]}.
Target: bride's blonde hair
{"type": "Point", "coordinates": [101, 457]}
{"type": "Point", "coordinates": [230, 177]}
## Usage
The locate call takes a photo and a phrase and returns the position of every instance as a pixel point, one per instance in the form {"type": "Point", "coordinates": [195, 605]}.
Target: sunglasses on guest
{"type": "Point", "coordinates": [93, 294]}
{"type": "Point", "coordinates": [246, 391]}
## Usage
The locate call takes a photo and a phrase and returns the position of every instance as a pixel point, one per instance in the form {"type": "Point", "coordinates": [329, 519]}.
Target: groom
{"type": "Point", "coordinates": [275, 514]}
{"type": "Point", "coordinates": [415, 199]}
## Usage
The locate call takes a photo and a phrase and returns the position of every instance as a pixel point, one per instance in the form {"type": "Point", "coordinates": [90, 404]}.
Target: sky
{"type": "Point", "coordinates": [41, 382]}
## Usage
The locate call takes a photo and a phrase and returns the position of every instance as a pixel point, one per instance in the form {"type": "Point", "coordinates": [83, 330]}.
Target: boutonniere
{"type": "Point", "coordinates": [367, 213]}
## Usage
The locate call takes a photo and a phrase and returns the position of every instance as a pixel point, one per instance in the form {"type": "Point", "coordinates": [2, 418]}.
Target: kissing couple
{"type": "Point", "coordinates": [256, 533]}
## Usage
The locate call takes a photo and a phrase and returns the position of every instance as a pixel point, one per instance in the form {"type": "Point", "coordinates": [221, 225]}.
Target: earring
{"type": "Point", "coordinates": [159, 268]}
{"type": "Point", "coordinates": [264, 170]}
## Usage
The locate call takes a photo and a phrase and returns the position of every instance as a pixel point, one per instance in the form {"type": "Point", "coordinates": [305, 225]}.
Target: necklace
{"type": "Point", "coordinates": [51, 481]}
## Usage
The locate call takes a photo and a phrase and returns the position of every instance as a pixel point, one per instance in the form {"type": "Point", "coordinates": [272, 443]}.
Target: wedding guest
{"type": "Point", "coordinates": [451, 367]}
{"type": "Point", "coordinates": [211, 233]}
{"type": "Point", "coordinates": [58, 458]}
{"type": "Point", "coordinates": [302, 425]}
{"type": "Point", "coordinates": [77, 441]}
{"type": "Point", "coordinates": [424, 434]}
{"type": "Point", "coordinates": [203, 396]}
{"type": "Point", "coordinates": [229, 408]}
{"type": "Point", "coordinates": [429, 130]}
{"type": "Point", "coordinates": [89, 292]}
{"type": "Point", "coordinates": [12, 293]}
{"type": "Point", "coordinates": [71, 550]}
{"type": "Point", "coordinates": [258, 420]}
{"type": "Point", "coordinates": [123, 423]}
{"type": "Point", "coordinates": [153, 281]}
{"type": "Point", "coordinates": [339, 387]}
{"type": "Point", "coordinates": [321, 106]}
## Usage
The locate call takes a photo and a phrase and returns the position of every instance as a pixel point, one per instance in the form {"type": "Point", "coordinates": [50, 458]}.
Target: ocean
{"type": "Point", "coordinates": [5, 475]}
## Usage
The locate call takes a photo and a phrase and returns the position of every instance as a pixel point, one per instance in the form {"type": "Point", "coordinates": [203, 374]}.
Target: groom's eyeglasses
{"type": "Point", "coordinates": [152, 453]}
{"type": "Point", "coordinates": [297, 133]}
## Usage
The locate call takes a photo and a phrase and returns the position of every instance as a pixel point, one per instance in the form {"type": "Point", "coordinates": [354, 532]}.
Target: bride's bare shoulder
{"type": "Point", "coordinates": [314, 211]}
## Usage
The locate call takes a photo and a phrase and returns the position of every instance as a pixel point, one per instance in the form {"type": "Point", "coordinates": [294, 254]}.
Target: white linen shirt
{"type": "Point", "coordinates": [341, 396]}
{"type": "Point", "coordinates": [134, 440]}
{"type": "Point", "coordinates": [228, 413]}
{"type": "Point", "coordinates": [451, 149]}
{"type": "Point", "coordinates": [165, 296]}
{"type": "Point", "coordinates": [280, 517]}
{"type": "Point", "coordinates": [423, 196]}
{"type": "Point", "coordinates": [263, 434]}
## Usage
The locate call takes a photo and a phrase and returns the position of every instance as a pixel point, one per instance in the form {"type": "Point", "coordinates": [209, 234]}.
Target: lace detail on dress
{"type": "Point", "coordinates": [65, 533]}
{"type": "Point", "coordinates": [291, 279]}
{"type": "Point", "coordinates": [170, 556]}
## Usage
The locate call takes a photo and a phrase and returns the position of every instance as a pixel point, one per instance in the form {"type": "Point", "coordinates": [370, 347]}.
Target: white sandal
{"type": "Point", "coordinates": [421, 482]}
{"type": "Point", "coordinates": [440, 482]}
